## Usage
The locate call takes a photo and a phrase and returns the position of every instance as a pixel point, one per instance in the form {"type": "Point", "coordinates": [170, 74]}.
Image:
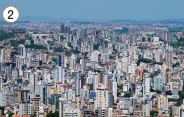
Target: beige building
{"type": "Point", "coordinates": [36, 101]}
{"type": "Point", "coordinates": [103, 97]}
{"type": "Point", "coordinates": [162, 101]}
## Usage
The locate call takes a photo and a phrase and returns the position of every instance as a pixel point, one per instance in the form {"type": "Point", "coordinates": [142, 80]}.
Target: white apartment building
{"type": "Point", "coordinates": [103, 97]}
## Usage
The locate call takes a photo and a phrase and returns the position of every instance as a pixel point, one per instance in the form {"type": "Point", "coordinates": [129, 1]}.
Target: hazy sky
{"type": "Point", "coordinates": [100, 9]}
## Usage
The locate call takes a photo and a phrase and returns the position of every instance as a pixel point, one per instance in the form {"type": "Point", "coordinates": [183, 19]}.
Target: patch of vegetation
{"type": "Point", "coordinates": [53, 59]}
{"type": "Point", "coordinates": [124, 30]}
{"type": "Point", "coordinates": [151, 76]}
{"type": "Point", "coordinates": [178, 43]}
{"type": "Point", "coordinates": [62, 38]}
{"type": "Point", "coordinates": [8, 64]}
{"type": "Point", "coordinates": [168, 92]}
{"type": "Point", "coordinates": [30, 38]}
{"type": "Point", "coordinates": [60, 49]}
{"type": "Point", "coordinates": [55, 114]}
{"type": "Point", "coordinates": [176, 64]}
{"type": "Point", "coordinates": [148, 61]}
{"type": "Point", "coordinates": [106, 44]}
{"type": "Point", "coordinates": [127, 95]}
{"type": "Point", "coordinates": [120, 86]}
{"type": "Point", "coordinates": [158, 91]}
{"type": "Point", "coordinates": [13, 54]}
{"type": "Point", "coordinates": [70, 45]}
{"type": "Point", "coordinates": [154, 113]}
{"type": "Point", "coordinates": [5, 35]}
{"type": "Point", "coordinates": [33, 46]}
{"type": "Point", "coordinates": [112, 57]}
{"type": "Point", "coordinates": [2, 109]}
{"type": "Point", "coordinates": [153, 97]}
{"type": "Point", "coordinates": [96, 46]}
{"type": "Point", "coordinates": [15, 43]}
{"type": "Point", "coordinates": [75, 51]}
{"type": "Point", "coordinates": [50, 42]}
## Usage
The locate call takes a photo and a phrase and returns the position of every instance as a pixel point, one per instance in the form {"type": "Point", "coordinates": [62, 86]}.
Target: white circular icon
{"type": "Point", "coordinates": [11, 14]}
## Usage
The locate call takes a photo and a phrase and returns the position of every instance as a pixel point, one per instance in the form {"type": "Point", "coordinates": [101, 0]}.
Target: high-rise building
{"type": "Point", "coordinates": [62, 28]}
{"type": "Point", "coordinates": [67, 30]}
{"type": "Point", "coordinates": [23, 96]}
{"type": "Point", "coordinates": [58, 37]}
{"type": "Point", "coordinates": [101, 78]}
{"type": "Point", "coordinates": [175, 92]}
{"type": "Point", "coordinates": [102, 112]}
{"type": "Point", "coordinates": [1, 55]}
{"type": "Point", "coordinates": [95, 81]}
{"type": "Point", "coordinates": [59, 74]}
{"type": "Point", "coordinates": [106, 81]}
{"type": "Point", "coordinates": [83, 63]}
{"type": "Point", "coordinates": [25, 108]}
{"type": "Point", "coordinates": [70, 94]}
{"type": "Point", "coordinates": [93, 64]}
{"type": "Point", "coordinates": [2, 98]}
{"type": "Point", "coordinates": [149, 39]}
{"type": "Point", "coordinates": [103, 97]}
{"type": "Point", "coordinates": [143, 39]}
{"type": "Point", "coordinates": [147, 83]}
{"type": "Point", "coordinates": [159, 81]}
{"type": "Point", "coordinates": [1, 84]}
{"type": "Point", "coordinates": [162, 101]}
{"type": "Point", "coordinates": [76, 82]}
{"type": "Point", "coordinates": [84, 93]}
{"type": "Point", "coordinates": [110, 85]}
{"type": "Point", "coordinates": [182, 35]}
{"type": "Point", "coordinates": [114, 91]}
{"type": "Point", "coordinates": [83, 81]}
{"type": "Point", "coordinates": [63, 105]}
{"type": "Point", "coordinates": [167, 76]}
{"type": "Point", "coordinates": [36, 101]}
{"type": "Point", "coordinates": [112, 37]}
{"type": "Point", "coordinates": [22, 50]}
{"type": "Point", "coordinates": [62, 60]}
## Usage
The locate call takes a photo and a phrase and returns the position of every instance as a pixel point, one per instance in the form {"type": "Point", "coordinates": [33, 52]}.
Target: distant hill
{"type": "Point", "coordinates": [181, 21]}
{"type": "Point", "coordinates": [46, 19]}
{"type": "Point", "coordinates": [50, 19]}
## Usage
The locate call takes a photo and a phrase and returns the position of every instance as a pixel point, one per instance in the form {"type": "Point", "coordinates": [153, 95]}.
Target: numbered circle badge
{"type": "Point", "coordinates": [11, 14]}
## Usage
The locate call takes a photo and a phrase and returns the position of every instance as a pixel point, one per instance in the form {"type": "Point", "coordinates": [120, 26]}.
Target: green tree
{"type": "Point", "coordinates": [153, 97]}
{"type": "Point", "coordinates": [50, 42]}
{"type": "Point", "coordinates": [158, 91]}
{"type": "Point", "coordinates": [60, 49]}
{"type": "Point", "coordinates": [50, 115]}
{"type": "Point", "coordinates": [10, 114]}
{"type": "Point", "coordinates": [120, 86]}
{"type": "Point", "coordinates": [153, 113]}
{"type": "Point", "coordinates": [56, 114]}
{"type": "Point", "coordinates": [151, 76]}
{"type": "Point", "coordinates": [127, 95]}
{"type": "Point", "coordinates": [106, 44]}
{"type": "Point", "coordinates": [169, 92]}
{"type": "Point", "coordinates": [152, 90]}
{"type": "Point", "coordinates": [75, 51]}
{"type": "Point", "coordinates": [53, 59]}
{"type": "Point", "coordinates": [96, 46]}
{"type": "Point", "coordinates": [5, 35]}
{"type": "Point", "coordinates": [62, 38]}
{"type": "Point", "coordinates": [175, 65]}
{"type": "Point", "coordinates": [33, 46]}
{"type": "Point", "coordinates": [118, 94]}
{"type": "Point", "coordinates": [40, 62]}
{"type": "Point", "coordinates": [2, 109]}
